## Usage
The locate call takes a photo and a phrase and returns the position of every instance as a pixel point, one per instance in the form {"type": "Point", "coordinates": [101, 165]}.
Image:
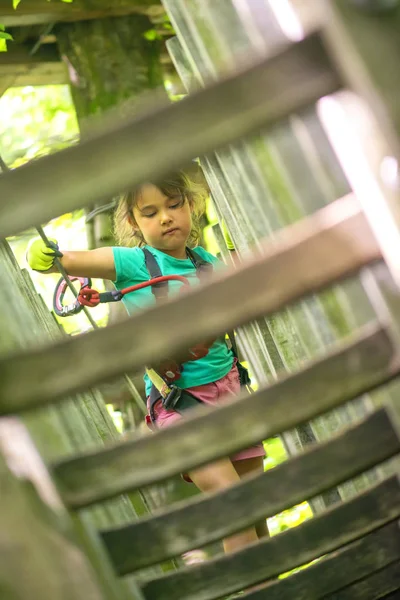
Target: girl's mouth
{"type": "Point", "coordinates": [171, 231]}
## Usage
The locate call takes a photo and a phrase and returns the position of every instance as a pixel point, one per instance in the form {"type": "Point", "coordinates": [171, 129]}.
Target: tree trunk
{"type": "Point", "coordinates": [110, 61]}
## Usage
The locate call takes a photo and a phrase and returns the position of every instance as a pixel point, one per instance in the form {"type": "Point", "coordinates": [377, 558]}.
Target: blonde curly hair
{"type": "Point", "coordinates": [175, 184]}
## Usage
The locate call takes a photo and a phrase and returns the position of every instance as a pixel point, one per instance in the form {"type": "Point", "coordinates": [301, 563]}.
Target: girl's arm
{"type": "Point", "coordinates": [97, 263]}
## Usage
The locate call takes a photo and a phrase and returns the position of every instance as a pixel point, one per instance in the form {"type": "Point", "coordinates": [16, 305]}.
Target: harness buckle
{"type": "Point", "coordinates": [172, 398]}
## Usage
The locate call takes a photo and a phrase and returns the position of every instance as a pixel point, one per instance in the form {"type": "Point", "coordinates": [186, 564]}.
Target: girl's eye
{"type": "Point", "coordinates": [177, 203]}
{"type": "Point", "coordinates": [150, 216]}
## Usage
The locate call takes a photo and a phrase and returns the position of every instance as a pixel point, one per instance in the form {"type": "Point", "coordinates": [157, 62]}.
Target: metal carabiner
{"type": "Point", "coordinates": [75, 307]}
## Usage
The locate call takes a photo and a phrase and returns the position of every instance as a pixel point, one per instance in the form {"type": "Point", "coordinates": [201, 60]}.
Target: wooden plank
{"type": "Point", "coordinates": [361, 558]}
{"type": "Point", "coordinates": [393, 596]}
{"type": "Point", "coordinates": [378, 585]}
{"type": "Point", "coordinates": [18, 67]}
{"type": "Point", "coordinates": [206, 519]}
{"type": "Point", "coordinates": [303, 258]}
{"type": "Point", "coordinates": [21, 55]}
{"type": "Point", "coordinates": [369, 70]}
{"type": "Point", "coordinates": [39, 547]}
{"type": "Point", "coordinates": [41, 74]}
{"type": "Point", "coordinates": [214, 433]}
{"type": "Point", "coordinates": [140, 149]}
{"type": "Point", "coordinates": [259, 562]}
{"type": "Point", "coordinates": [35, 12]}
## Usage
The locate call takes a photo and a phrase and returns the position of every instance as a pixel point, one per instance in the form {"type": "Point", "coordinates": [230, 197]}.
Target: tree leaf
{"type": "Point", "coordinates": [5, 36]}
{"type": "Point", "coordinates": [15, 3]}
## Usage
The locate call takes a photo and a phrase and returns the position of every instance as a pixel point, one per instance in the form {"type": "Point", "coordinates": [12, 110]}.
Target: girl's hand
{"type": "Point", "coordinates": [98, 263]}
{"type": "Point", "coordinates": [40, 257]}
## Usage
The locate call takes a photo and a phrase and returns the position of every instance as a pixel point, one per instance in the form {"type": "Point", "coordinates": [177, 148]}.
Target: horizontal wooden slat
{"type": "Point", "coordinates": [303, 258]}
{"type": "Point", "coordinates": [215, 433]}
{"type": "Point", "coordinates": [377, 585]}
{"type": "Point", "coordinates": [260, 562]}
{"type": "Point", "coordinates": [361, 558]}
{"type": "Point", "coordinates": [139, 150]}
{"type": "Point", "coordinates": [393, 596]}
{"type": "Point", "coordinates": [20, 55]}
{"type": "Point", "coordinates": [207, 519]}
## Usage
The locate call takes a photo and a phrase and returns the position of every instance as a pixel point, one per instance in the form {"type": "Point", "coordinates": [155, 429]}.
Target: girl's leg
{"type": "Point", "coordinates": [217, 476]}
{"type": "Point", "coordinates": [251, 466]}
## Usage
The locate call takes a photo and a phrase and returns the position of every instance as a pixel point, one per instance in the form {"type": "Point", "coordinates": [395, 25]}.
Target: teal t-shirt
{"type": "Point", "coordinates": [131, 269]}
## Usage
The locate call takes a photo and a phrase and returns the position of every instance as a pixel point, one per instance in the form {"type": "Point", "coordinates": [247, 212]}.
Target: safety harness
{"type": "Point", "coordinates": [163, 375]}
{"type": "Point", "coordinates": [171, 396]}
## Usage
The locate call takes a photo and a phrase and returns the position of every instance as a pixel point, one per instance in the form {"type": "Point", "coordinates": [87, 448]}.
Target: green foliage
{"type": "Point", "coordinates": [4, 37]}
{"type": "Point", "coordinates": [151, 35]}
{"type": "Point", "coordinates": [35, 121]}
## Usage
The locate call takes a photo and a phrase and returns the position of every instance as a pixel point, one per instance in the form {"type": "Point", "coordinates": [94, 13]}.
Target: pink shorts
{"type": "Point", "coordinates": [211, 393]}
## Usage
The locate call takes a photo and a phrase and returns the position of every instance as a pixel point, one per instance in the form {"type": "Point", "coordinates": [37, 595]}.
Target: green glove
{"type": "Point", "coordinates": [40, 257]}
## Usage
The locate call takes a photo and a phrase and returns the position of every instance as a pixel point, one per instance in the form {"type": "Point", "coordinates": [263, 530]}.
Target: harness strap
{"type": "Point", "coordinates": [175, 399]}
{"type": "Point", "coordinates": [202, 266]}
{"type": "Point", "coordinates": [172, 397]}
{"type": "Point", "coordinates": [160, 290]}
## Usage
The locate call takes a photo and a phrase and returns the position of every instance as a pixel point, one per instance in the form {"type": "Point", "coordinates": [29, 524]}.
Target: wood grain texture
{"type": "Point", "coordinates": [376, 586]}
{"type": "Point", "coordinates": [213, 433]}
{"type": "Point", "coordinates": [182, 528]}
{"type": "Point", "coordinates": [304, 258]}
{"type": "Point", "coordinates": [325, 533]}
{"type": "Point", "coordinates": [361, 558]}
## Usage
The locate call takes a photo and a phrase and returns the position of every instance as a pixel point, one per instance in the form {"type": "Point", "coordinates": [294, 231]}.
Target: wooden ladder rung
{"type": "Point", "coordinates": [324, 533]}
{"type": "Point", "coordinates": [207, 519]}
{"type": "Point", "coordinates": [304, 258]}
{"type": "Point", "coordinates": [213, 433]}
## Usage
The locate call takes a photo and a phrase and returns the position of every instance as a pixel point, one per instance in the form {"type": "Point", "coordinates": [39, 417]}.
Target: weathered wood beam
{"type": "Point", "coordinates": [20, 55]}
{"type": "Point", "coordinates": [349, 565]}
{"type": "Point", "coordinates": [333, 243]}
{"type": "Point", "coordinates": [214, 433]}
{"type": "Point", "coordinates": [34, 12]}
{"type": "Point", "coordinates": [35, 524]}
{"type": "Point", "coordinates": [383, 584]}
{"type": "Point", "coordinates": [19, 68]}
{"type": "Point", "coordinates": [369, 69]}
{"type": "Point", "coordinates": [53, 73]}
{"type": "Point", "coordinates": [259, 562]}
{"type": "Point", "coordinates": [140, 149]}
{"type": "Point", "coordinates": [207, 519]}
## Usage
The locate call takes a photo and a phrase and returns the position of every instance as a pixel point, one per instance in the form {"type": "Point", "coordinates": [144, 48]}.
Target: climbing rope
{"type": "Point", "coordinates": [87, 296]}
{"type": "Point", "coordinates": [67, 282]}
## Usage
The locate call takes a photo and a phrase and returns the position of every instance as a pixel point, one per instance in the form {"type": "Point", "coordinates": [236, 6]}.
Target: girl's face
{"type": "Point", "coordinates": [165, 222]}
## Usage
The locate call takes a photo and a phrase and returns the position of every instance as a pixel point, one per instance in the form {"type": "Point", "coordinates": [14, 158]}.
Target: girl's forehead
{"type": "Point", "coordinates": [150, 194]}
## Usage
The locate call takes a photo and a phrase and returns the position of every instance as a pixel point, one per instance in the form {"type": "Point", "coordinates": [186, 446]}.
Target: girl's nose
{"type": "Point", "coordinates": [165, 217]}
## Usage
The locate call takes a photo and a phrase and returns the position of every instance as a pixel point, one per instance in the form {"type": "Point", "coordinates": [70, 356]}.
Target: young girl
{"type": "Point", "coordinates": [163, 217]}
